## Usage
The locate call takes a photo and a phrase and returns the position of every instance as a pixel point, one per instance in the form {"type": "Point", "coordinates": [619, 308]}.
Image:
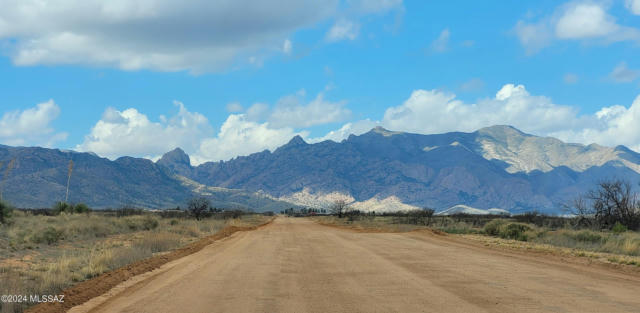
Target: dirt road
{"type": "Point", "coordinates": [295, 265]}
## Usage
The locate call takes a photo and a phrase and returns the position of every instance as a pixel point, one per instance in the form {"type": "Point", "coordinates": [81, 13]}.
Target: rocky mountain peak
{"type": "Point", "coordinates": [177, 161]}
{"type": "Point", "coordinates": [296, 141]}
{"type": "Point", "coordinates": [501, 131]}
{"type": "Point", "coordinates": [383, 131]}
{"type": "Point", "coordinates": [176, 156]}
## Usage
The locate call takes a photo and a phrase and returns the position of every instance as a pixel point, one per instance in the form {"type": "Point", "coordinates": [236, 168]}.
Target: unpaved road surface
{"type": "Point", "coordinates": [296, 265]}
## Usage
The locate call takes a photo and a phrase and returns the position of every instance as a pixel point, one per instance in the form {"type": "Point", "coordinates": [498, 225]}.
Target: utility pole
{"type": "Point", "coordinates": [66, 198]}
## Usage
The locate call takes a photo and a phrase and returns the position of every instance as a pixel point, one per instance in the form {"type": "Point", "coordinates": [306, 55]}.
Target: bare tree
{"type": "Point", "coordinates": [614, 202]}
{"type": "Point", "coordinates": [582, 210]}
{"type": "Point", "coordinates": [198, 207]}
{"type": "Point", "coordinates": [339, 207]}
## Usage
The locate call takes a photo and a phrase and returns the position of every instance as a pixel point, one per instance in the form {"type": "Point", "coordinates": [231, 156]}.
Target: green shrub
{"type": "Point", "coordinates": [81, 208]}
{"type": "Point", "coordinates": [514, 231]}
{"type": "Point", "coordinates": [493, 228]}
{"type": "Point", "coordinates": [588, 236]}
{"type": "Point", "coordinates": [5, 212]}
{"type": "Point", "coordinates": [618, 228]}
{"type": "Point", "coordinates": [132, 223]}
{"type": "Point", "coordinates": [149, 223]}
{"type": "Point", "coordinates": [50, 235]}
{"type": "Point", "coordinates": [62, 207]}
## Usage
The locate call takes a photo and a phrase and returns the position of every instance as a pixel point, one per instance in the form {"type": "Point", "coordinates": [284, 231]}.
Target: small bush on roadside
{"type": "Point", "coordinates": [50, 236]}
{"type": "Point", "coordinates": [5, 212]}
{"type": "Point", "coordinates": [146, 222]}
{"type": "Point", "coordinates": [493, 227]}
{"type": "Point", "coordinates": [81, 208]}
{"type": "Point", "coordinates": [62, 207]}
{"type": "Point", "coordinates": [149, 223]}
{"type": "Point", "coordinates": [515, 231]}
{"type": "Point", "coordinates": [504, 229]}
{"type": "Point", "coordinates": [588, 236]}
{"type": "Point", "coordinates": [618, 228]}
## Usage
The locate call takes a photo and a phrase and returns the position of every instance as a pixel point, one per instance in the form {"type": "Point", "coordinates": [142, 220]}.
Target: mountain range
{"type": "Point", "coordinates": [495, 167]}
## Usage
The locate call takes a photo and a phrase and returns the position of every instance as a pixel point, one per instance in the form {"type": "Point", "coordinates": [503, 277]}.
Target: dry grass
{"type": "Point", "coordinates": [394, 224]}
{"type": "Point", "coordinates": [627, 243]}
{"type": "Point", "coordinates": [43, 255]}
{"type": "Point", "coordinates": [368, 223]}
{"type": "Point", "coordinates": [604, 257]}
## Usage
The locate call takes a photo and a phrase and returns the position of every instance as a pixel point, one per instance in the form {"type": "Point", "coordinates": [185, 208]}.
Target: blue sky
{"type": "Point", "coordinates": [227, 78]}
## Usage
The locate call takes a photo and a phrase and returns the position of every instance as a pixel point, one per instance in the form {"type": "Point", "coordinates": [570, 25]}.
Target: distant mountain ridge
{"type": "Point", "coordinates": [463, 209]}
{"type": "Point", "coordinates": [527, 153]}
{"type": "Point", "coordinates": [381, 170]}
{"type": "Point", "coordinates": [39, 179]}
{"type": "Point", "coordinates": [497, 166]}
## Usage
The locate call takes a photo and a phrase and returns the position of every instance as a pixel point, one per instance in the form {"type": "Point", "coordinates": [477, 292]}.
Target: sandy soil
{"type": "Point", "coordinates": [296, 265]}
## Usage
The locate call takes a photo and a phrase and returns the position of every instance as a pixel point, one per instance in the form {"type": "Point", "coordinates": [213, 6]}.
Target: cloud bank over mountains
{"type": "Point", "coordinates": [203, 36]}
{"type": "Point", "coordinates": [263, 126]}
{"type": "Point", "coordinates": [31, 126]}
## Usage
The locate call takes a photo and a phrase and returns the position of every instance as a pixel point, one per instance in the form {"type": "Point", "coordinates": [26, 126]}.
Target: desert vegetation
{"type": "Point", "coordinates": [613, 203]}
{"type": "Point", "coordinates": [45, 252]}
{"type": "Point", "coordinates": [545, 230]}
{"type": "Point", "coordinates": [5, 212]}
{"type": "Point", "coordinates": [605, 220]}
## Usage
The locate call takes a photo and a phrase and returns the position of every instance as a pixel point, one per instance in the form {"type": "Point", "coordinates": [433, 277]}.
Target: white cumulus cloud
{"type": "Point", "coordinates": [291, 112]}
{"type": "Point", "coordinates": [585, 21]}
{"type": "Point", "coordinates": [435, 111]}
{"type": "Point", "coordinates": [294, 111]}
{"type": "Point", "coordinates": [614, 125]}
{"type": "Point", "coordinates": [31, 126]}
{"type": "Point", "coordinates": [239, 136]}
{"type": "Point", "coordinates": [131, 133]}
{"type": "Point", "coordinates": [261, 126]}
